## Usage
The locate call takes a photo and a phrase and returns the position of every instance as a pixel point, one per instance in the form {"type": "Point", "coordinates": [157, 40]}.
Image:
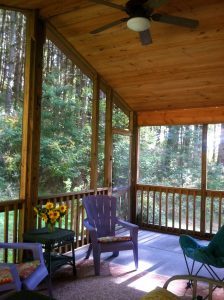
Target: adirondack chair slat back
{"type": "Point", "coordinates": [101, 213]}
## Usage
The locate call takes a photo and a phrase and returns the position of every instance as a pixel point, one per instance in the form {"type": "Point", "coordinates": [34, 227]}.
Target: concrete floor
{"type": "Point", "coordinates": [158, 254]}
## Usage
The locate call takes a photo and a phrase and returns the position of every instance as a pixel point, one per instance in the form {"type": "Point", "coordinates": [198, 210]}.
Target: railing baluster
{"type": "Point", "coordinates": [173, 210]}
{"type": "Point", "coordinates": [153, 207]}
{"type": "Point", "coordinates": [6, 233]}
{"type": "Point", "coordinates": [77, 220]}
{"type": "Point", "coordinates": [220, 210]}
{"type": "Point", "coordinates": [166, 207]}
{"type": "Point", "coordinates": [147, 206]}
{"type": "Point", "coordinates": [194, 210]}
{"type": "Point", "coordinates": [211, 213]}
{"type": "Point", "coordinates": [160, 207]}
{"type": "Point", "coordinates": [82, 230]}
{"type": "Point", "coordinates": [72, 212]}
{"type": "Point", "coordinates": [66, 216]}
{"type": "Point", "coordinates": [15, 220]}
{"type": "Point", "coordinates": [142, 192]}
{"type": "Point", "coordinates": [180, 208]}
{"type": "Point", "coordinates": [187, 210]}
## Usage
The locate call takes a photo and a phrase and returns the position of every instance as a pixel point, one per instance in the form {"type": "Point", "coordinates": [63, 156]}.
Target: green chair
{"type": "Point", "coordinates": [209, 256]}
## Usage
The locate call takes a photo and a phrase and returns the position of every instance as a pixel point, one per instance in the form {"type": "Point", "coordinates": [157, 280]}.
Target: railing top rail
{"type": "Point", "coordinates": [215, 193]}
{"type": "Point", "coordinates": [159, 188]}
{"type": "Point", "coordinates": [11, 202]}
{"type": "Point", "coordinates": [121, 188]}
{"type": "Point", "coordinates": [71, 194]}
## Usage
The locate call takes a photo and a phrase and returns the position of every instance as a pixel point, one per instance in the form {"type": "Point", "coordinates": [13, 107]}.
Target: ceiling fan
{"type": "Point", "coordinates": [140, 14]}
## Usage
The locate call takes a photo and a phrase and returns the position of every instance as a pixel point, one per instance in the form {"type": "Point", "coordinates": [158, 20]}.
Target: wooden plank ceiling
{"type": "Point", "coordinates": [183, 68]}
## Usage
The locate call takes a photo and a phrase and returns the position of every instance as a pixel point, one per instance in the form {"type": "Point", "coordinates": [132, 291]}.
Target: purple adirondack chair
{"type": "Point", "coordinates": [33, 276]}
{"type": "Point", "coordinates": [101, 221]}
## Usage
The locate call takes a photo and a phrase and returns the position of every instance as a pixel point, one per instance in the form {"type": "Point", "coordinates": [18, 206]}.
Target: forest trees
{"type": "Point", "coordinates": [65, 125]}
{"type": "Point", "coordinates": [12, 55]}
{"type": "Point", "coordinates": [171, 156]}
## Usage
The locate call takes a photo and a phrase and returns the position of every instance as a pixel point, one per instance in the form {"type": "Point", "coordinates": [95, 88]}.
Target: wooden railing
{"type": "Point", "coordinates": [214, 211]}
{"type": "Point", "coordinates": [168, 209]}
{"type": "Point", "coordinates": [123, 201]}
{"type": "Point", "coordinates": [74, 218]}
{"type": "Point", "coordinates": [11, 219]}
{"type": "Point", "coordinates": [178, 210]}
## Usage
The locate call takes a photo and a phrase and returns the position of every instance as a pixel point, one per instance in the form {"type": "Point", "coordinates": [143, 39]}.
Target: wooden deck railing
{"type": "Point", "coordinates": [168, 209]}
{"type": "Point", "coordinates": [74, 218]}
{"type": "Point", "coordinates": [214, 212]}
{"type": "Point", "coordinates": [178, 209]}
{"type": "Point", "coordinates": [11, 217]}
{"type": "Point", "coordinates": [123, 201]}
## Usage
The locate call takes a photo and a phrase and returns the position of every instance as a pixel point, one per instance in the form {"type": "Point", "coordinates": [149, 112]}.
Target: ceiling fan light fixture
{"type": "Point", "coordinates": [138, 24]}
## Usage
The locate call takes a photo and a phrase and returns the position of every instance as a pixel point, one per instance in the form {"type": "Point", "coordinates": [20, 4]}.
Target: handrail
{"type": "Point", "coordinates": [178, 209]}
{"type": "Point", "coordinates": [12, 213]}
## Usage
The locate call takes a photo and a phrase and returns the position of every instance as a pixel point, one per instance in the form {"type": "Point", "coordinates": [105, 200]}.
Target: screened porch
{"type": "Point", "coordinates": [66, 133]}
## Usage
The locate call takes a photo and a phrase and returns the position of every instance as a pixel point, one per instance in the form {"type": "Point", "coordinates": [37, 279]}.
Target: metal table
{"type": "Point", "coordinates": [50, 241]}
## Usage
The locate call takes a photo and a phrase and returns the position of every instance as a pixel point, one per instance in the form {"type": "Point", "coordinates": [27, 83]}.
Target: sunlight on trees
{"type": "Point", "coordinates": [65, 125]}
{"type": "Point", "coordinates": [12, 55]}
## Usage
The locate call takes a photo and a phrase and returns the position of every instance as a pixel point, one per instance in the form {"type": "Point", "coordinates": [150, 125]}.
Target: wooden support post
{"type": "Point", "coordinates": [31, 116]}
{"type": "Point", "coordinates": [203, 178]}
{"type": "Point", "coordinates": [95, 135]}
{"type": "Point", "coordinates": [134, 165]}
{"type": "Point", "coordinates": [108, 141]}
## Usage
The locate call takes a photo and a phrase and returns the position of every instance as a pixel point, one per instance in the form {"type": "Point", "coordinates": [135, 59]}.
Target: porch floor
{"type": "Point", "coordinates": [159, 253]}
{"type": "Point", "coordinates": [160, 257]}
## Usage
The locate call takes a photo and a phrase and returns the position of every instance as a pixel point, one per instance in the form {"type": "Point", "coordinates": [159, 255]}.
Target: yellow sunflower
{"type": "Point", "coordinates": [51, 214]}
{"type": "Point", "coordinates": [63, 208]}
{"type": "Point", "coordinates": [49, 205]}
{"type": "Point", "coordinates": [56, 214]}
{"type": "Point", "coordinates": [44, 217]}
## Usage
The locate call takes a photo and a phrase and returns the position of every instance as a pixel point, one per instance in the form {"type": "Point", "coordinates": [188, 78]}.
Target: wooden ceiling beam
{"type": "Point", "coordinates": [208, 115]}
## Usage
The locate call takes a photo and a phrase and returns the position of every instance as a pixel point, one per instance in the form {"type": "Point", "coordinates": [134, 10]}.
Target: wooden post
{"type": "Point", "coordinates": [108, 141]}
{"type": "Point", "coordinates": [31, 116]}
{"type": "Point", "coordinates": [134, 165]}
{"type": "Point", "coordinates": [203, 178]}
{"type": "Point", "coordinates": [95, 135]}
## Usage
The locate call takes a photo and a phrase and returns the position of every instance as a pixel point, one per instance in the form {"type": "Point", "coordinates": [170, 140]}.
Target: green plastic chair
{"type": "Point", "coordinates": [209, 256]}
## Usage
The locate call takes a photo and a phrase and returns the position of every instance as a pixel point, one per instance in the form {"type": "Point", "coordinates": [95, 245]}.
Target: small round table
{"type": "Point", "coordinates": [50, 241]}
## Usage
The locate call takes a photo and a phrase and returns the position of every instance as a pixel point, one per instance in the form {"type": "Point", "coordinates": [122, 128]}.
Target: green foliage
{"type": "Point", "coordinates": [10, 155]}
{"type": "Point", "coordinates": [121, 166]}
{"type": "Point", "coordinates": [119, 118]}
{"type": "Point", "coordinates": [65, 127]}
{"type": "Point", "coordinates": [170, 156]}
{"type": "Point", "coordinates": [101, 135]}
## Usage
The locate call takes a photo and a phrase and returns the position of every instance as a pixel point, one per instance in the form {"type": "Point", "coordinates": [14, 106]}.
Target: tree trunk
{"type": "Point", "coordinates": [11, 65]}
{"type": "Point", "coordinates": [220, 159]}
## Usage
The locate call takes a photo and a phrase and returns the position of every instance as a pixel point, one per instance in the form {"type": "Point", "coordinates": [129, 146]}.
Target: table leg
{"type": "Point", "coordinates": [48, 261]}
{"type": "Point", "coordinates": [73, 259]}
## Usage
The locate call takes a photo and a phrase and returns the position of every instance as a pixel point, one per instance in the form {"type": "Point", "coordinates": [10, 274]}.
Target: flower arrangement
{"type": "Point", "coordinates": [50, 212]}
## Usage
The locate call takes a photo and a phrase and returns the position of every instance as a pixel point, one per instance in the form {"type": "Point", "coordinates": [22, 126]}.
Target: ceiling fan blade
{"type": "Point", "coordinates": [145, 37]}
{"type": "Point", "coordinates": [179, 21]}
{"type": "Point", "coordinates": [117, 6]}
{"type": "Point", "coordinates": [107, 26]}
{"type": "Point", "coordinates": [155, 3]}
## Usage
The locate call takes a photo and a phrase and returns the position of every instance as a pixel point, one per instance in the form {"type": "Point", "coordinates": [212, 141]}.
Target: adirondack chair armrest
{"type": "Point", "coordinates": [132, 227]}
{"type": "Point", "coordinates": [36, 249]}
{"type": "Point", "coordinates": [92, 230]}
{"type": "Point", "coordinates": [128, 225]}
